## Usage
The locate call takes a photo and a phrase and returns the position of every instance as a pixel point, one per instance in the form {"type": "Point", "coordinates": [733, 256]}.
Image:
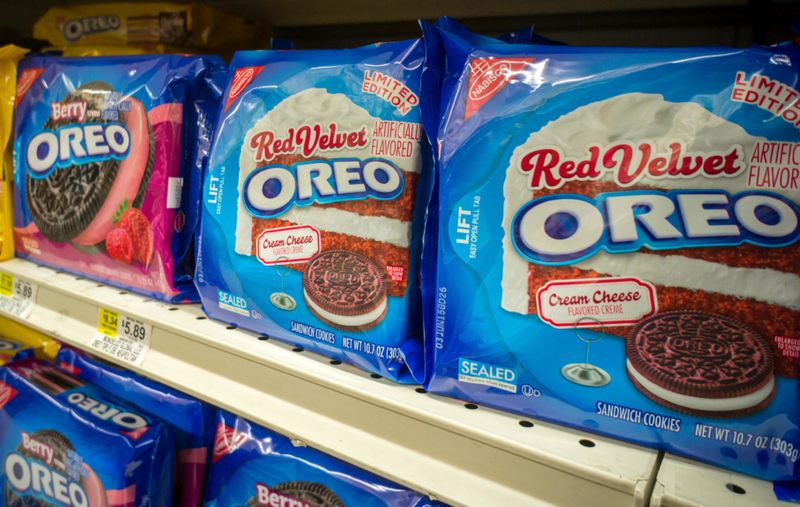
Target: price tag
{"type": "Point", "coordinates": [121, 336]}
{"type": "Point", "coordinates": [17, 296]}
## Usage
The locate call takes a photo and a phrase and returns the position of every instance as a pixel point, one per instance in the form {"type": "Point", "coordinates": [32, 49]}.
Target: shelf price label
{"type": "Point", "coordinates": [123, 337]}
{"type": "Point", "coordinates": [17, 296]}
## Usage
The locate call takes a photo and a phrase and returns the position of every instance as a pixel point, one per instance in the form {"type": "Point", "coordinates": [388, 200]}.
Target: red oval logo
{"type": "Point", "coordinates": [241, 80]}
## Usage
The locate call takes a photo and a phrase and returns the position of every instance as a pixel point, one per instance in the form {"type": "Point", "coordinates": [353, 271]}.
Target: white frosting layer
{"type": "Point", "coordinates": [314, 105]}
{"type": "Point", "coordinates": [342, 320]}
{"type": "Point", "coordinates": [767, 285]}
{"type": "Point", "coordinates": [637, 117]}
{"type": "Point", "coordinates": [383, 229]}
{"type": "Point", "coordinates": [708, 404]}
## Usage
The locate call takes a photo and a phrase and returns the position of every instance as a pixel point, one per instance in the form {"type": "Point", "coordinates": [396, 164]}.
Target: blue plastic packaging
{"type": "Point", "coordinates": [99, 137]}
{"type": "Point", "coordinates": [514, 298]}
{"type": "Point", "coordinates": [192, 420]}
{"type": "Point", "coordinates": [71, 444]}
{"type": "Point", "coordinates": [256, 467]}
{"type": "Point", "coordinates": [318, 152]}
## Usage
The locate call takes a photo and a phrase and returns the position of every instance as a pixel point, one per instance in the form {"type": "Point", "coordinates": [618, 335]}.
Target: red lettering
{"type": "Point", "coordinates": [260, 143]}
{"type": "Point", "coordinates": [623, 172]}
{"type": "Point", "coordinates": [711, 164]}
{"type": "Point", "coordinates": [362, 141]}
{"type": "Point", "coordinates": [728, 167]}
{"type": "Point", "coordinates": [567, 170]}
{"type": "Point", "coordinates": [540, 163]}
{"type": "Point", "coordinates": [654, 168]}
{"type": "Point", "coordinates": [588, 168]}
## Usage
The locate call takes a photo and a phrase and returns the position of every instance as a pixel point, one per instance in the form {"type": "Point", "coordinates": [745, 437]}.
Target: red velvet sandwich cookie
{"type": "Point", "coordinates": [701, 364]}
{"type": "Point", "coordinates": [345, 290]}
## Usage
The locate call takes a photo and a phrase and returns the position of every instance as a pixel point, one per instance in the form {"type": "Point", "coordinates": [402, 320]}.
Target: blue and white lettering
{"type": "Point", "coordinates": [104, 411]}
{"type": "Point", "coordinates": [30, 477]}
{"type": "Point", "coordinates": [269, 191]}
{"type": "Point", "coordinates": [76, 144]}
{"type": "Point", "coordinates": [565, 228]}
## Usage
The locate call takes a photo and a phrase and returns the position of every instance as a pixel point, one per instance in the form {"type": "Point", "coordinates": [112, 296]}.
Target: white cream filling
{"type": "Point", "coordinates": [708, 404]}
{"type": "Point", "coordinates": [637, 117]}
{"type": "Point", "coordinates": [767, 285]}
{"type": "Point", "coordinates": [355, 320]}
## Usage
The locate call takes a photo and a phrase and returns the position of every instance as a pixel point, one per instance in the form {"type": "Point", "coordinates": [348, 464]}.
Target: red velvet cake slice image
{"type": "Point", "coordinates": [379, 230]}
{"type": "Point", "coordinates": [755, 285]}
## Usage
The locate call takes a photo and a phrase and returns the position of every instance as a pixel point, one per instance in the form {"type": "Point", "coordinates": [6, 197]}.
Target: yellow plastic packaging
{"type": "Point", "coordinates": [15, 337]}
{"type": "Point", "coordinates": [77, 50]}
{"type": "Point", "coordinates": [121, 24]}
{"type": "Point", "coordinates": [9, 56]}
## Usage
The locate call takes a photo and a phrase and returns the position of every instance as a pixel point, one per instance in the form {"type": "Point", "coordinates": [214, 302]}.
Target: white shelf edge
{"type": "Point", "coordinates": [430, 443]}
{"type": "Point", "coordinates": [682, 482]}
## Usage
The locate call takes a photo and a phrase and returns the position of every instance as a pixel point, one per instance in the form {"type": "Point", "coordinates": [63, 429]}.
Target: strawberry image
{"type": "Point", "coordinates": [119, 246]}
{"type": "Point", "coordinates": [136, 224]}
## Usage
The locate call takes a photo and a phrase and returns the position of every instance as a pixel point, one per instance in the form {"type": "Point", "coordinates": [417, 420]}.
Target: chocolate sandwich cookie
{"type": "Point", "coordinates": [315, 495]}
{"type": "Point", "coordinates": [345, 290]}
{"type": "Point", "coordinates": [66, 205]}
{"type": "Point", "coordinates": [61, 447]}
{"type": "Point", "coordinates": [701, 364]}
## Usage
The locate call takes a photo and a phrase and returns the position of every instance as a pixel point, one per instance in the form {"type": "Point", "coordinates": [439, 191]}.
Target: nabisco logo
{"type": "Point", "coordinates": [487, 76]}
{"type": "Point", "coordinates": [70, 368]}
{"type": "Point", "coordinates": [7, 393]}
{"type": "Point", "coordinates": [26, 79]}
{"type": "Point", "coordinates": [227, 441]}
{"type": "Point", "coordinates": [241, 78]}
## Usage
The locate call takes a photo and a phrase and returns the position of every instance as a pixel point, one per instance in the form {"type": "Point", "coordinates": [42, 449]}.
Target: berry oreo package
{"type": "Point", "coordinates": [109, 154]}
{"type": "Point", "coordinates": [256, 467]}
{"type": "Point", "coordinates": [67, 443]}
{"type": "Point", "coordinates": [192, 420]}
{"type": "Point", "coordinates": [618, 244]}
{"type": "Point", "coordinates": [314, 200]}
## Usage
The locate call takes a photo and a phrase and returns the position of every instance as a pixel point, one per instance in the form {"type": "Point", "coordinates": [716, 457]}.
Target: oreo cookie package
{"type": "Point", "coordinates": [314, 200]}
{"type": "Point", "coordinates": [256, 467]}
{"type": "Point", "coordinates": [192, 420]}
{"type": "Point", "coordinates": [108, 158]}
{"type": "Point", "coordinates": [68, 443]}
{"type": "Point", "coordinates": [617, 243]}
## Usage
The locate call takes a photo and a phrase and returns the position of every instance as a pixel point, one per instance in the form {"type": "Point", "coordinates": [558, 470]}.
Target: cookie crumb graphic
{"type": "Point", "coordinates": [701, 364]}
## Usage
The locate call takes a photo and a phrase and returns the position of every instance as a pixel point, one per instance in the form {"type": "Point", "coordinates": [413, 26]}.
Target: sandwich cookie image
{"type": "Point", "coordinates": [345, 290]}
{"type": "Point", "coordinates": [299, 493]}
{"type": "Point", "coordinates": [701, 364]}
{"type": "Point", "coordinates": [40, 473]}
{"type": "Point", "coordinates": [89, 171]}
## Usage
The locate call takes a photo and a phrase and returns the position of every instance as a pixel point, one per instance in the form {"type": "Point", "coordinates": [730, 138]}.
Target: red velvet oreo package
{"type": "Point", "coordinates": [108, 159]}
{"type": "Point", "coordinates": [618, 243]}
{"type": "Point", "coordinates": [314, 201]}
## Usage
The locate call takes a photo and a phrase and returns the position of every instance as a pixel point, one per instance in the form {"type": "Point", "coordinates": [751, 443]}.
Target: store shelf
{"type": "Point", "coordinates": [683, 482]}
{"type": "Point", "coordinates": [433, 444]}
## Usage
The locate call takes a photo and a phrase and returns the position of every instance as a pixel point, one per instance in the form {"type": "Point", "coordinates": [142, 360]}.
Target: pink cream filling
{"type": "Point", "coordinates": [121, 497]}
{"type": "Point", "coordinates": [129, 177]}
{"type": "Point", "coordinates": [94, 488]}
